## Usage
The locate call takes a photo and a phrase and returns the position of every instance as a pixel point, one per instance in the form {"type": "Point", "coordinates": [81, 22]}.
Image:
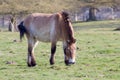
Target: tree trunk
{"type": "Point", "coordinates": [3, 21]}
{"type": "Point", "coordinates": [76, 17]}
{"type": "Point", "coordinates": [11, 27]}
{"type": "Point", "coordinates": [92, 14]}
{"type": "Point", "coordinates": [12, 24]}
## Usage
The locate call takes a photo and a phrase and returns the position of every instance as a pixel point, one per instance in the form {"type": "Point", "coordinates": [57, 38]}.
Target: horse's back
{"type": "Point", "coordinates": [37, 20]}
{"type": "Point", "coordinates": [41, 26]}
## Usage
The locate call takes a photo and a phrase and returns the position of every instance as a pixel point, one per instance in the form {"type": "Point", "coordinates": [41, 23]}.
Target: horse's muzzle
{"type": "Point", "coordinates": [71, 61]}
{"type": "Point", "coordinates": [67, 62]}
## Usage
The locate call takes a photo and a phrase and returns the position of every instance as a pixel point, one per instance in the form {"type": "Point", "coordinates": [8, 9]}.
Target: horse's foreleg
{"type": "Point", "coordinates": [53, 49]}
{"type": "Point", "coordinates": [31, 59]}
{"type": "Point", "coordinates": [65, 55]}
{"type": "Point", "coordinates": [66, 58]}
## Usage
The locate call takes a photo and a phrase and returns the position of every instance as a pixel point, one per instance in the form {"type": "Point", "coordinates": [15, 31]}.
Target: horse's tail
{"type": "Point", "coordinates": [22, 30]}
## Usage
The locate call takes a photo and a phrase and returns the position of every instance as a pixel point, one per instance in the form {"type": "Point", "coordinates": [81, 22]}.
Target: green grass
{"type": "Point", "coordinates": [98, 55]}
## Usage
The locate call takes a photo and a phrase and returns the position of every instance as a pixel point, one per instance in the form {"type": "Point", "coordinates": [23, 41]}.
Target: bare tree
{"type": "Point", "coordinates": [12, 24]}
{"type": "Point", "coordinates": [92, 14]}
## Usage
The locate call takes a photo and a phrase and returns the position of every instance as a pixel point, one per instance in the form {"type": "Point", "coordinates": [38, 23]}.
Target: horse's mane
{"type": "Point", "coordinates": [68, 28]}
{"type": "Point", "coordinates": [65, 16]}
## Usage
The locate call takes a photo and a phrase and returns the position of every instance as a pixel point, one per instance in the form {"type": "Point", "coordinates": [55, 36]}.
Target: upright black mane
{"type": "Point", "coordinates": [65, 16]}
{"type": "Point", "coordinates": [68, 27]}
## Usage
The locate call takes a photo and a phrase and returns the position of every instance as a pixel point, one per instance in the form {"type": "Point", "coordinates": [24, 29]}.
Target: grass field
{"type": "Point", "coordinates": [98, 55]}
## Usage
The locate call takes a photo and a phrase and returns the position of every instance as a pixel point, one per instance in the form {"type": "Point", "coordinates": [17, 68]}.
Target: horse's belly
{"type": "Point", "coordinates": [43, 33]}
{"type": "Point", "coordinates": [43, 36]}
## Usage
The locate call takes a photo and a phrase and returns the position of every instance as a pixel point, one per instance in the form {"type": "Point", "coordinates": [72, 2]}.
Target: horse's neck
{"type": "Point", "coordinates": [68, 31]}
{"type": "Point", "coordinates": [63, 30]}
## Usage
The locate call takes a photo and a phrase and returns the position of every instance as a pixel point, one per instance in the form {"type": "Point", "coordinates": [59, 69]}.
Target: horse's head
{"type": "Point", "coordinates": [69, 52]}
{"type": "Point", "coordinates": [69, 45]}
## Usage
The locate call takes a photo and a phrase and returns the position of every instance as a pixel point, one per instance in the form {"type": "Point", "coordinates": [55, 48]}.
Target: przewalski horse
{"type": "Point", "coordinates": [49, 28]}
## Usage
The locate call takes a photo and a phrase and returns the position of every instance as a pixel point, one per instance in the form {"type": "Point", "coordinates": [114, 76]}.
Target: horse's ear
{"type": "Point", "coordinates": [68, 41]}
{"type": "Point", "coordinates": [74, 40]}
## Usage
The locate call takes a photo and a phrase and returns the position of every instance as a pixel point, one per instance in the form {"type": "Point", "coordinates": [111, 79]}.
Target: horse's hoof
{"type": "Point", "coordinates": [66, 62]}
{"type": "Point", "coordinates": [52, 63]}
{"type": "Point", "coordinates": [31, 65]}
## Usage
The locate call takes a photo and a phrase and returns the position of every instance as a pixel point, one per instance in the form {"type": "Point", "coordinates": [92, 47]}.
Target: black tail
{"type": "Point", "coordinates": [22, 30]}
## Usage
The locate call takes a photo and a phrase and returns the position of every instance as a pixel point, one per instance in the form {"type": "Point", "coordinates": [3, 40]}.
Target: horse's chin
{"type": "Point", "coordinates": [71, 62]}
{"type": "Point", "coordinates": [67, 62]}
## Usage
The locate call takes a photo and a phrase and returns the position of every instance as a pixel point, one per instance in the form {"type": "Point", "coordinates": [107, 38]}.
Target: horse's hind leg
{"type": "Point", "coordinates": [31, 59]}
{"type": "Point", "coordinates": [53, 49]}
